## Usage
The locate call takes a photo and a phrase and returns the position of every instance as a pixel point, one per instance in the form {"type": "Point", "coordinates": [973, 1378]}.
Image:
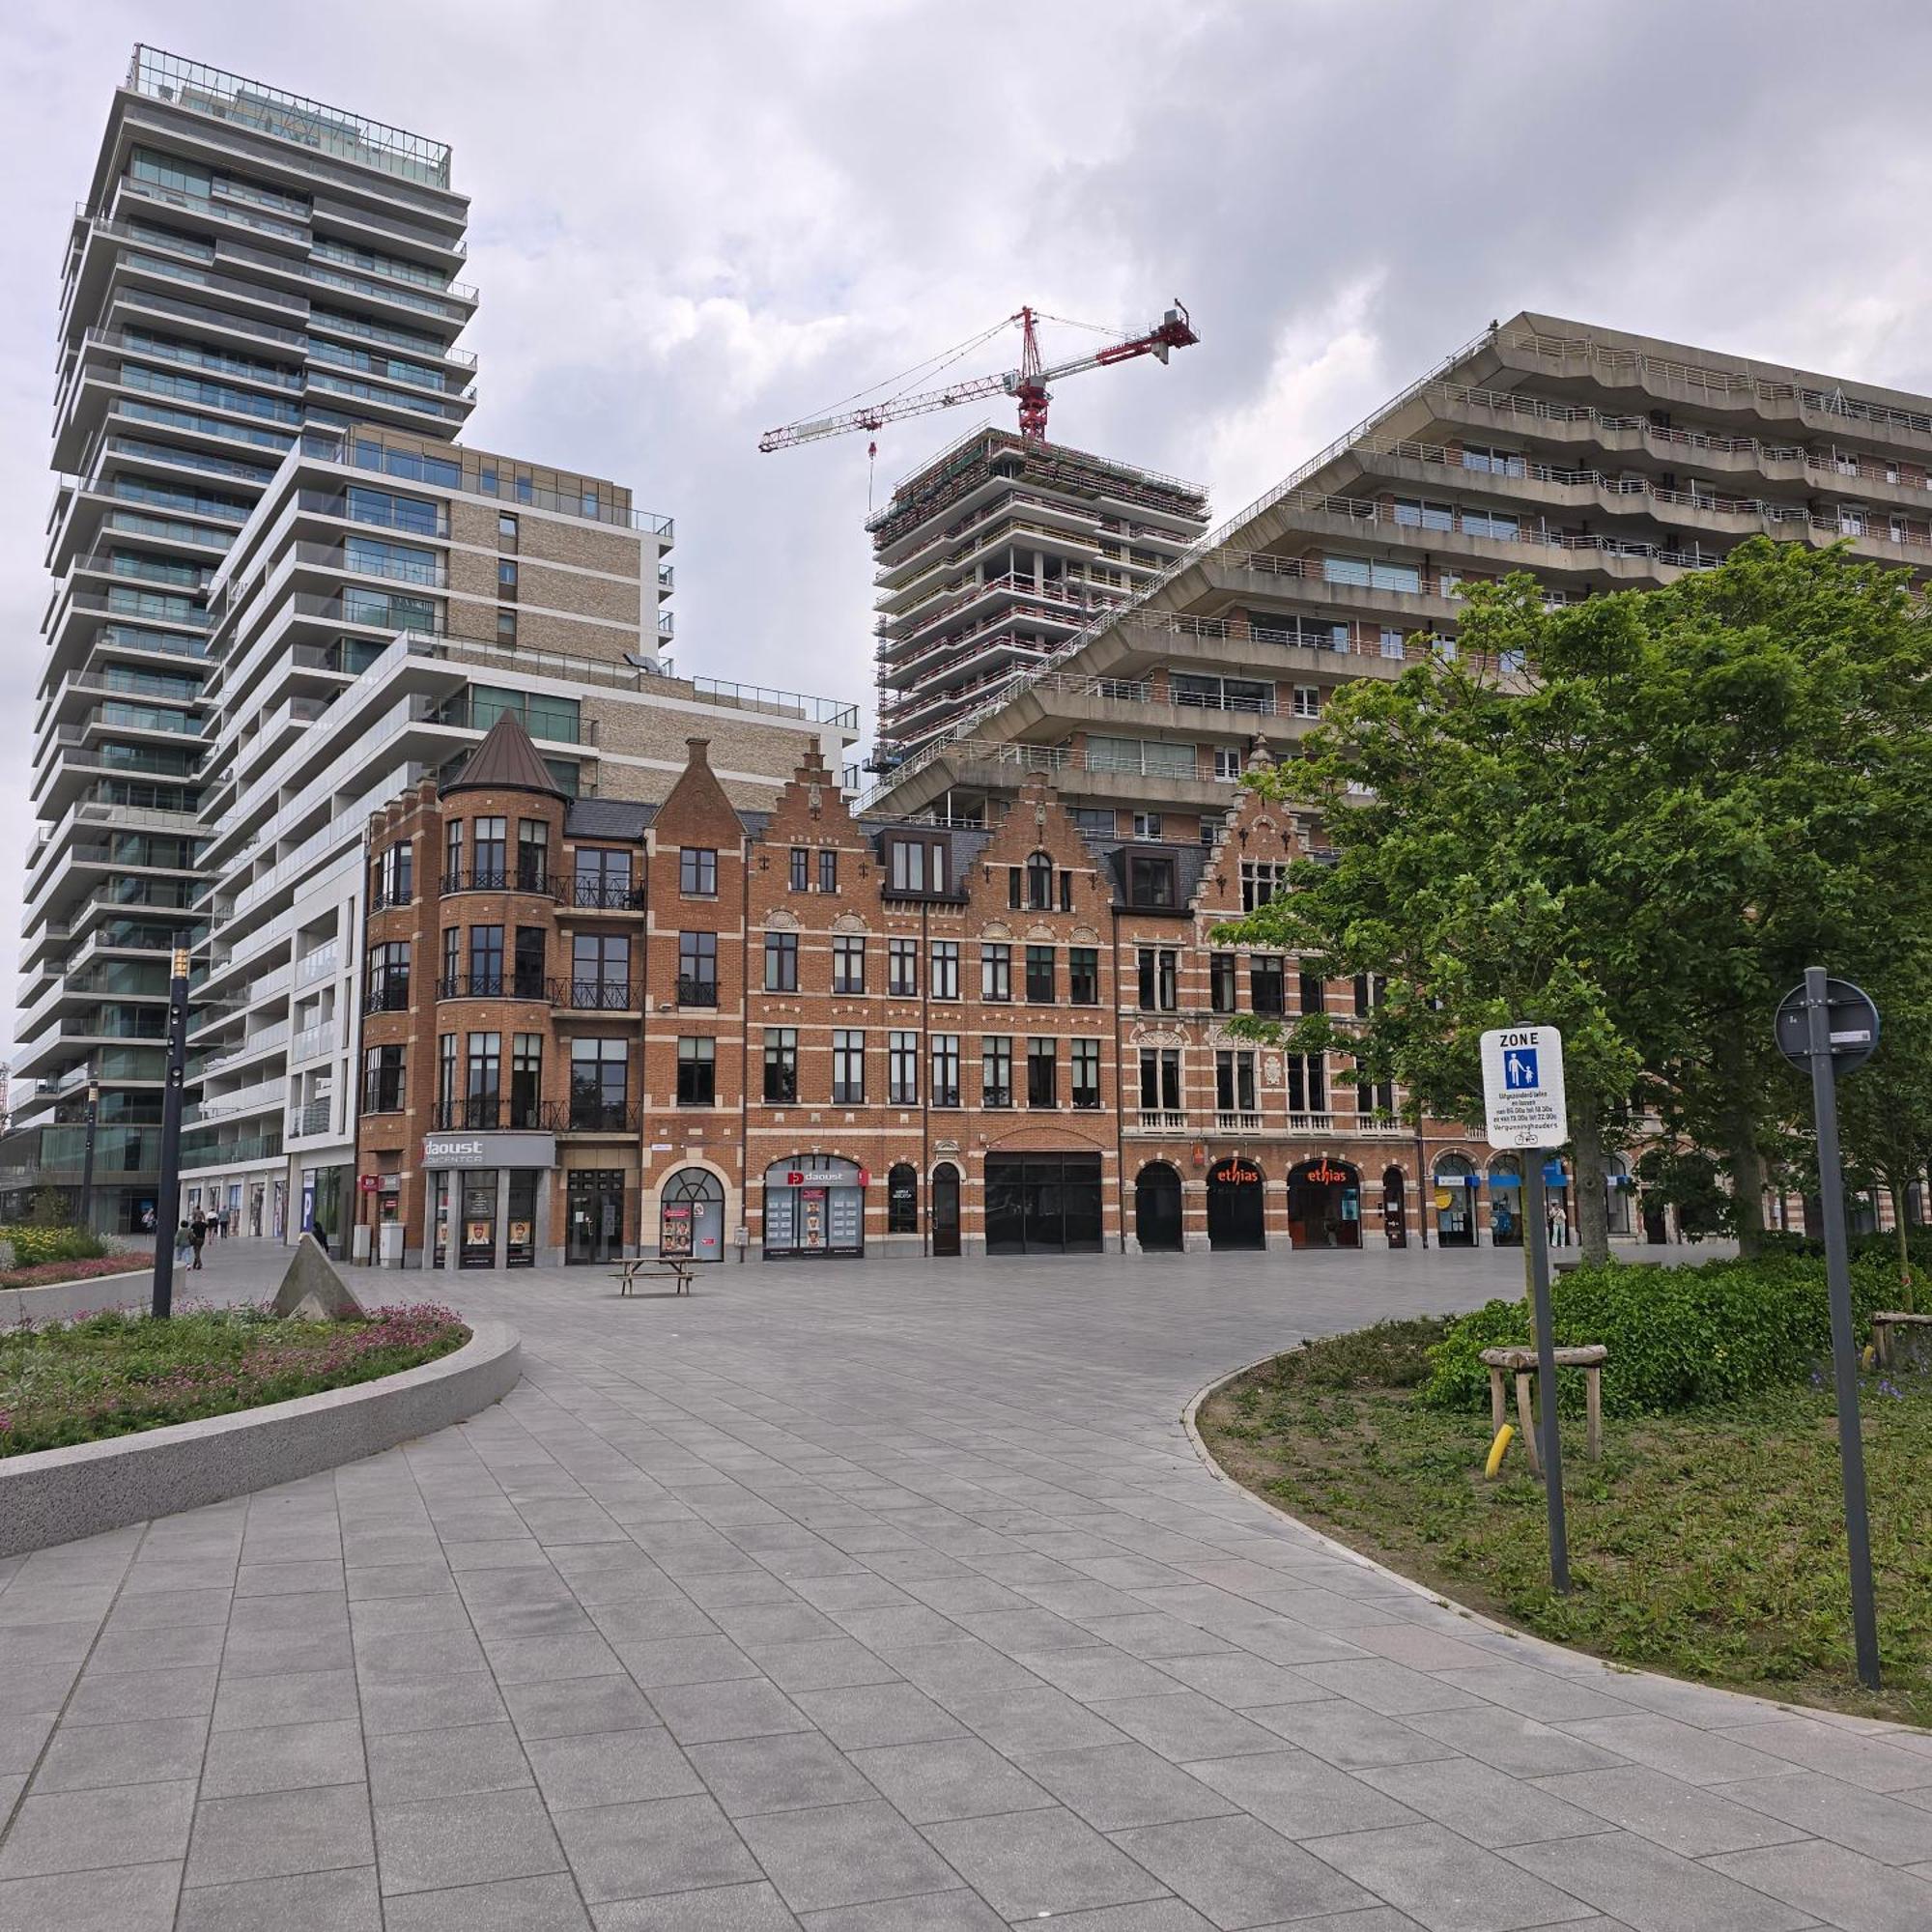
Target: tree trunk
{"type": "Point", "coordinates": [1593, 1214]}
{"type": "Point", "coordinates": [1744, 1155]}
{"type": "Point", "coordinates": [1905, 1301]}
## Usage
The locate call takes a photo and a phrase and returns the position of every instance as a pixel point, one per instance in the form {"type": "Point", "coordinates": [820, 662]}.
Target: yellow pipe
{"type": "Point", "coordinates": [1505, 1435]}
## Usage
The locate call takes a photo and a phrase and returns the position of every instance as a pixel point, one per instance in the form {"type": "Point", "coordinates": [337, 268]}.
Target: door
{"type": "Point", "coordinates": [1236, 1215]}
{"type": "Point", "coordinates": [1158, 1210]}
{"type": "Point", "coordinates": [595, 1206]}
{"type": "Point", "coordinates": [1043, 1204]}
{"type": "Point", "coordinates": [1395, 1195]}
{"type": "Point", "coordinates": [945, 1210]}
{"type": "Point", "coordinates": [479, 1220]}
{"type": "Point", "coordinates": [520, 1245]}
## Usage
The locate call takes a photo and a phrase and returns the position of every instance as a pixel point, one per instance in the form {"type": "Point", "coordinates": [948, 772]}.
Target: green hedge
{"type": "Point", "coordinates": [1678, 1337]}
{"type": "Point", "coordinates": [34, 1247]}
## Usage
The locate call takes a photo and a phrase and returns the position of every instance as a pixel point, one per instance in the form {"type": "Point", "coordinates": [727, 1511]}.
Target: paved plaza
{"type": "Point", "coordinates": [876, 1598]}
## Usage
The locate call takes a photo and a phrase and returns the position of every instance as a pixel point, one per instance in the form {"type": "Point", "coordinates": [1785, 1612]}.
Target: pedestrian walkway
{"type": "Point", "coordinates": [880, 1598]}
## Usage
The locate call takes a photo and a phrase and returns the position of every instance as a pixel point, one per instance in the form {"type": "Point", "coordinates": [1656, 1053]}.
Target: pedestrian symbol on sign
{"type": "Point", "coordinates": [1520, 1068]}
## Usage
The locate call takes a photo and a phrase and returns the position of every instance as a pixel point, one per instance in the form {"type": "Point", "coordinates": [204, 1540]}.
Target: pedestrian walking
{"type": "Point", "coordinates": [183, 1245]}
{"type": "Point", "coordinates": [197, 1233]}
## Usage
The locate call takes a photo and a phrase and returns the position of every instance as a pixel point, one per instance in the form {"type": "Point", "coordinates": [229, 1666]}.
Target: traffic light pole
{"type": "Point", "coordinates": [87, 1159]}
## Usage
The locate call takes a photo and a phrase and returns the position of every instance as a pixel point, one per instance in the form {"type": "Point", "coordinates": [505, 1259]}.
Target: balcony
{"type": "Point", "coordinates": [257, 1147]}
{"type": "Point", "coordinates": [1236, 1122]}
{"type": "Point", "coordinates": [390, 996]}
{"type": "Point", "coordinates": [312, 1119]}
{"type": "Point", "coordinates": [698, 992]}
{"type": "Point", "coordinates": [501, 878]}
{"type": "Point", "coordinates": [498, 985]}
{"type": "Point", "coordinates": [580, 1116]}
{"type": "Point", "coordinates": [597, 996]}
{"type": "Point", "coordinates": [1157, 1121]}
{"type": "Point", "coordinates": [489, 1113]}
{"type": "Point", "coordinates": [603, 896]}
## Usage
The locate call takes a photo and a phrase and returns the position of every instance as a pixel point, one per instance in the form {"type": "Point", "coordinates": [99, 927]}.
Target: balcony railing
{"type": "Point", "coordinates": [602, 895]}
{"type": "Point", "coordinates": [1237, 1122]}
{"type": "Point", "coordinates": [389, 995]}
{"type": "Point", "coordinates": [1160, 1120]}
{"type": "Point", "coordinates": [488, 1113]}
{"type": "Point", "coordinates": [600, 996]}
{"type": "Point", "coordinates": [498, 985]}
{"type": "Point", "coordinates": [504, 878]}
{"type": "Point", "coordinates": [580, 1116]}
{"type": "Point", "coordinates": [696, 992]}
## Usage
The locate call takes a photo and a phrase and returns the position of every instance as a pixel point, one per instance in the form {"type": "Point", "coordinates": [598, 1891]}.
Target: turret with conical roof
{"type": "Point", "coordinates": [506, 760]}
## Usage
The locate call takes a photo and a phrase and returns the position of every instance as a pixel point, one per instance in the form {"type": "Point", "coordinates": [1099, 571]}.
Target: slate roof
{"type": "Point", "coordinates": [506, 760]}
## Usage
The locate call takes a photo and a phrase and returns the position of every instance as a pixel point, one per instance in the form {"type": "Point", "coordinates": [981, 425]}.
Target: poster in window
{"type": "Point", "coordinates": [811, 1217]}
{"type": "Point", "coordinates": [676, 1235]}
{"type": "Point", "coordinates": [847, 1218]}
{"type": "Point", "coordinates": [520, 1234]}
{"type": "Point", "coordinates": [781, 1217]}
{"type": "Point", "coordinates": [476, 1233]}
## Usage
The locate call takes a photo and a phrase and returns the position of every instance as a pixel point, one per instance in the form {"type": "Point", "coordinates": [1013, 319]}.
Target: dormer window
{"type": "Point", "coordinates": [1150, 881]}
{"type": "Point", "coordinates": [915, 864]}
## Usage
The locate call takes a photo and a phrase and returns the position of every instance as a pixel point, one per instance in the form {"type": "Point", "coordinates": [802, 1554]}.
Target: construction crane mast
{"type": "Point", "coordinates": [1025, 384]}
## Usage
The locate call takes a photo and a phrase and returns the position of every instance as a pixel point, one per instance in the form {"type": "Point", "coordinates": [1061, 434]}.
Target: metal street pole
{"type": "Point", "coordinates": [168, 1218]}
{"type": "Point", "coordinates": [1537, 1233]}
{"type": "Point", "coordinates": [87, 1159]}
{"type": "Point", "coordinates": [1838, 1281]}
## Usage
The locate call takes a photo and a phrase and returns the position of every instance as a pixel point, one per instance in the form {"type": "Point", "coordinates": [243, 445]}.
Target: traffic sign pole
{"type": "Point", "coordinates": [1838, 1281]}
{"type": "Point", "coordinates": [1537, 1233]}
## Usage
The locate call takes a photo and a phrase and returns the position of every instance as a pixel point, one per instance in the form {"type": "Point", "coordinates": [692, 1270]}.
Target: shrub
{"type": "Point", "coordinates": [35, 1244]}
{"type": "Point", "coordinates": [1677, 1336]}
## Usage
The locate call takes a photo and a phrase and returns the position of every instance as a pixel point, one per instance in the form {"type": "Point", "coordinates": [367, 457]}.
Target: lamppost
{"type": "Point", "coordinates": [87, 1159]}
{"type": "Point", "coordinates": [169, 1216]}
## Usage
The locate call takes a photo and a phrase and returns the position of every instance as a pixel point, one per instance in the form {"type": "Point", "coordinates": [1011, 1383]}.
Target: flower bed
{"type": "Point", "coordinates": [48, 1274]}
{"type": "Point", "coordinates": [115, 1373]}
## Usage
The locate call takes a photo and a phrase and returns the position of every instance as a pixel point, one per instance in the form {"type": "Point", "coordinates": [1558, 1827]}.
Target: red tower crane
{"type": "Point", "coordinates": [1025, 384]}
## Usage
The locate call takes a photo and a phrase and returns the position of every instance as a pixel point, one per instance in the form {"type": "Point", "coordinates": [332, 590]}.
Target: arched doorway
{"type": "Point", "coordinates": [1455, 1200]}
{"type": "Point", "coordinates": [1324, 1205]}
{"type": "Point", "coordinates": [945, 1210]}
{"type": "Point", "coordinates": [1395, 1206]}
{"type": "Point", "coordinates": [1506, 1201]}
{"type": "Point", "coordinates": [903, 1199]}
{"type": "Point", "coordinates": [1236, 1216]}
{"type": "Point", "coordinates": [690, 1217]}
{"type": "Point", "coordinates": [1157, 1208]}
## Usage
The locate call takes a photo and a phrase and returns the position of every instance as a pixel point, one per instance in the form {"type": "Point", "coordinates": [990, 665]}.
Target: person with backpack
{"type": "Point", "coordinates": [197, 1234]}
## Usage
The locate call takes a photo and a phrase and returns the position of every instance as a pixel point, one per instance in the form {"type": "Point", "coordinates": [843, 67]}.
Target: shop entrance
{"type": "Point", "coordinates": [520, 1237]}
{"type": "Point", "coordinates": [478, 1249]}
{"type": "Point", "coordinates": [690, 1222]}
{"type": "Point", "coordinates": [1042, 1204]}
{"type": "Point", "coordinates": [1506, 1201]}
{"type": "Point", "coordinates": [814, 1207]}
{"type": "Point", "coordinates": [1236, 1217]}
{"type": "Point", "coordinates": [1455, 1200]}
{"type": "Point", "coordinates": [1324, 1205]}
{"type": "Point", "coordinates": [595, 1205]}
{"type": "Point", "coordinates": [1157, 1208]}
{"type": "Point", "coordinates": [1395, 1214]}
{"type": "Point", "coordinates": [944, 1209]}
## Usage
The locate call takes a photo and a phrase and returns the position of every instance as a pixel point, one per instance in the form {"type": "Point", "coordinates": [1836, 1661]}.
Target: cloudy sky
{"type": "Point", "coordinates": [692, 221]}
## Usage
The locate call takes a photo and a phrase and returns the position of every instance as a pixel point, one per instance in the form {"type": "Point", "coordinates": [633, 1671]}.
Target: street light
{"type": "Point", "coordinates": [171, 1128]}
{"type": "Point", "coordinates": [87, 1160]}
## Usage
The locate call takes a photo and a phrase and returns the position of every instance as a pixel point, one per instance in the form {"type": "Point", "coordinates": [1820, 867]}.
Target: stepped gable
{"type": "Point", "coordinates": [1253, 827]}
{"type": "Point", "coordinates": [506, 760]}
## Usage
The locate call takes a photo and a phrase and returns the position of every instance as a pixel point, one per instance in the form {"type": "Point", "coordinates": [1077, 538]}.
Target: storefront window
{"type": "Point", "coordinates": [814, 1207]}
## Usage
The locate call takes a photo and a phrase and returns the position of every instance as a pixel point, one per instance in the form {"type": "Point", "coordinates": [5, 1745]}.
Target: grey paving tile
{"type": "Point", "coordinates": [1898, 1830]}
{"type": "Point", "coordinates": [123, 1697]}
{"type": "Point", "coordinates": [408, 1765]}
{"type": "Point", "coordinates": [609, 1768]}
{"type": "Point", "coordinates": [296, 1697]}
{"type": "Point", "coordinates": [1391, 1689]}
{"type": "Point", "coordinates": [1181, 1723]}
{"type": "Point", "coordinates": [1241, 1682]}
{"type": "Point", "coordinates": [843, 1855]}
{"type": "Point", "coordinates": [723, 1907]}
{"type": "Point", "coordinates": [654, 1619]}
{"type": "Point", "coordinates": [22, 1738]}
{"type": "Point", "coordinates": [88, 1831]}
{"type": "Point", "coordinates": [1115, 1786]}
{"type": "Point", "coordinates": [170, 1609]}
{"type": "Point", "coordinates": [1300, 1795]}
{"type": "Point", "coordinates": [1518, 1745]}
{"type": "Point", "coordinates": [1688, 1819]}
{"type": "Point", "coordinates": [640, 1851]}
{"type": "Point", "coordinates": [533, 1659]}
{"type": "Point", "coordinates": [1447, 1883]}
{"type": "Point", "coordinates": [1348, 1734]}
{"type": "Point", "coordinates": [1682, 1750]}
{"type": "Point", "coordinates": [820, 1665]}
{"type": "Point", "coordinates": [169, 1647]}
{"type": "Point", "coordinates": [1037, 1862]}
{"type": "Point", "coordinates": [389, 1656]}
{"type": "Point", "coordinates": [326, 1902]}
{"type": "Point", "coordinates": [702, 1714]}
{"type": "Point", "coordinates": [1872, 1763]}
{"type": "Point", "coordinates": [1167, 1914]}
{"type": "Point", "coordinates": [439, 1700]}
{"type": "Point", "coordinates": [282, 1579]}
{"type": "Point", "coordinates": [564, 1706]}
{"type": "Point", "coordinates": [1841, 1886]}
{"type": "Point", "coordinates": [783, 1773]}
{"type": "Point", "coordinates": [1536, 1693]}
{"type": "Point", "coordinates": [507, 1905]}
{"type": "Point", "coordinates": [1038, 1719]}
{"type": "Point", "coordinates": [1098, 1671]}
{"type": "Point", "coordinates": [276, 1834]}
{"type": "Point", "coordinates": [878, 1714]}
{"type": "Point", "coordinates": [1651, 1889]}
{"type": "Point", "coordinates": [1238, 1872]}
{"type": "Point", "coordinates": [434, 1843]}
{"type": "Point", "coordinates": [683, 1659]}
{"type": "Point", "coordinates": [86, 1755]}
{"type": "Point", "coordinates": [129, 1898]}
{"type": "Point", "coordinates": [282, 1757]}
{"type": "Point", "coordinates": [1480, 1804]}
{"type": "Point", "coordinates": [955, 1777]}
{"type": "Point", "coordinates": [958, 1670]}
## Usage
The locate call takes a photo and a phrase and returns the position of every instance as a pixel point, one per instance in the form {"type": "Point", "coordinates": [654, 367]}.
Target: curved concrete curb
{"type": "Point", "coordinates": [55, 1495]}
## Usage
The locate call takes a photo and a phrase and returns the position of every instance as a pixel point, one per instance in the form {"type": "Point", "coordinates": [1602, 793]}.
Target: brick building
{"type": "Point", "coordinates": [593, 1027]}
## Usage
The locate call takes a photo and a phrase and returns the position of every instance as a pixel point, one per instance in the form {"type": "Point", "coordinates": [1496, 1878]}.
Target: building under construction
{"type": "Point", "coordinates": [995, 554]}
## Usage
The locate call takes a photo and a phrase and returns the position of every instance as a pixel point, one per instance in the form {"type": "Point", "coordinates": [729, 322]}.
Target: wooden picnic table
{"type": "Point", "coordinates": [677, 1266]}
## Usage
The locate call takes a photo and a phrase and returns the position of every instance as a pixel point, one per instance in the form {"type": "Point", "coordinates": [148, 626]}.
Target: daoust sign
{"type": "Point", "coordinates": [1523, 1087]}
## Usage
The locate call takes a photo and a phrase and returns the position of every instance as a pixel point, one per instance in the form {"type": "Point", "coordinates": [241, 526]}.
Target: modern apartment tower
{"type": "Point", "coordinates": [1596, 459]}
{"type": "Point", "coordinates": [990, 557]}
{"type": "Point", "coordinates": [282, 591]}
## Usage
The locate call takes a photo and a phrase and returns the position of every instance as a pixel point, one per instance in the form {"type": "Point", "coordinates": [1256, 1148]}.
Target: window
{"type": "Point", "coordinates": [827, 871]}
{"type": "Point", "coordinates": [903, 1200]}
{"type": "Point", "coordinates": [1496, 461]}
{"type": "Point", "coordinates": [1097, 821]}
{"type": "Point", "coordinates": [452, 856]}
{"type": "Point", "coordinates": [1374, 1097]}
{"type": "Point", "coordinates": [1370, 573]}
{"type": "Point", "coordinates": [383, 1080]}
{"type": "Point", "coordinates": [1370, 990]}
{"type": "Point", "coordinates": [1221, 982]}
{"type": "Point", "coordinates": [1040, 975]}
{"type": "Point", "coordinates": [780, 962]}
{"type": "Point", "coordinates": [1261, 880]}
{"type": "Point", "coordinates": [1392, 646]}
{"type": "Point", "coordinates": [1307, 700]}
{"type": "Point", "coordinates": [388, 987]}
{"type": "Point", "coordinates": [801, 868]}
{"type": "Point", "coordinates": [915, 865]}
{"type": "Point", "coordinates": [526, 979]}
{"type": "Point", "coordinates": [1086, 1077]}
{"type": "Point", "coordinates": [482, 1086]}
{"type": "Point", "coordinates": [697, 1073]}
{"type": "Point", "coordinates": [1267, 984]}
{"type": "Point", "coordinates": [946, 1070]}
{"type": "Point", "coordinates": [445, 1080]}
{"type": "Point", "coordinates": [1417, 515]}
{"type": "Point", "coordinates": [489, 864]}
{"type": "Point", "coordinates": [996, 971]}
{"type": "Point", "coordinates": [698, 873]}
{"type": "Point", "coordinates": [396, 875]}
{"type": "Point", "coordinates": [506, 627]}
{"type": "Point", "coordinates": [533, 854]}
{"type": "Point", "coordinates": [1039, 882]}
{"type": "Point", "coordinates": [1233, 1082]}
{"type": "Point", "coordinates": [1043, 1072]}
{"type": "Point", "coordinates": [697, 969]}
{"type": "Point", "coordinates": [1227, 763]}
{"type": "Point", "coordinates": [506, 576]}
{"type": "Point", "coordinates": [1157, 989]}
{"type": "Point", "coordinates": [1150, 881]}
{"type": "Point", "coordinates": [1065, 891]}
{"type": "Point", "coordinates": [902, 969]}
{"type": "Point", "coordinates": [600, 971]}
{"type": "Point", "coordinates": [1015, 889]}
{"type": "Point", "coordinates": [1160, 1079]}
{"type": "Point", "coordinates": [602, 878]}
{"type": "Point", "coordinates": [848, 1068]}
{"type": "Point", "coordinates": [848, 963]}
{"type": "Point", "coordinates": [781, 1065]}
{"type": "Point", "coordinates": [1314, 994]}
{"type": "Point", "coordinates": [1148, 827]}
{"type": "Point", "coordinates": [486, 961]}
{"type": "Point", "coordinates": [452, 958]}
{"type": "Point", "coordinates": [945, 968]}
{"type": "Point", "coordinates": [507, 528]}
{"type": "Point", "coordinates": [995, 1070]}
{"type": "Point", "coordinates": [1083, 976]}
{"type": "Point", "coordinates": [525, 1079]}
{"type": "Point", "coordinates": [902, 1069]}
{"type": "Point", "coordinates": [600, 1072]}
{"type": "Point", "coordinates": [1489, 523]}
{"type": "Point", "coordinates": [1307, 1084]}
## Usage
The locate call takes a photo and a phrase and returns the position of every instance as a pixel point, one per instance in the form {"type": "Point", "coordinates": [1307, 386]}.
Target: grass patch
{"type": "Point", "coordinates": [115, 1373]}
{"type": "Point", "coordinates": [1708, 1543]}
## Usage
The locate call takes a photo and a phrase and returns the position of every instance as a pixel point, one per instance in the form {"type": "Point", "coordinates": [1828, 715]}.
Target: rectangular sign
{"type": "Point", "coordinates": [1523, 1087]}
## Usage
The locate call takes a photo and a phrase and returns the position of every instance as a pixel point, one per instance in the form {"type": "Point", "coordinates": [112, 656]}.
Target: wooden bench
{"type": "Point", "coordinates": [1882, 1331]}
{"type": "Point", "coordinates": [677, 1266]}
{"type": "Point", "coordinates": [1521, 1364]}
